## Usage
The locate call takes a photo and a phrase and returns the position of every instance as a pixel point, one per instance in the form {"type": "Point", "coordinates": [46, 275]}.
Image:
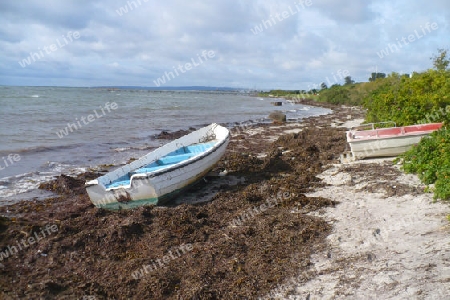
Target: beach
{"type": "Point", "coordinates": [287, 221]}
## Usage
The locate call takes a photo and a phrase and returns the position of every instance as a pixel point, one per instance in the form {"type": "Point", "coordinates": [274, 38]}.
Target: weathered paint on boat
{"type": "Point", "coordinates": [386, 142]}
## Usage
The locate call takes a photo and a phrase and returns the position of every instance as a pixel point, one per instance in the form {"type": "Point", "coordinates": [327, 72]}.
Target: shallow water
{"type": "Point", "coordinates": [46, 131]}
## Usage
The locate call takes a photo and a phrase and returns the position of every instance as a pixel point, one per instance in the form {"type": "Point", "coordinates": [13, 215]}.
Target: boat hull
{"type": "Point", "coordinates": [158, 187]}
{"type": "Point", "coordinates": [387, 142]}
{"type": "Point", "coordinates": [385, 147]}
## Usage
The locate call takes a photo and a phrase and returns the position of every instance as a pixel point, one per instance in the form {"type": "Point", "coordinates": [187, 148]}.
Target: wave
{"type": "Point", "coordinates": [173, 107]}
{"type": "Point", "coordinates": [29, 181]}
{"type": "Point", "coordinates": [23, 184]}
{"type": "Point", "coordinates": [147, 109]}
{"type": "Point", "coordinates": [125, 149]}
{"type": "Point", "coordinates": [16, 177]}
{"type": "Point", "coordinates": [40, 149]}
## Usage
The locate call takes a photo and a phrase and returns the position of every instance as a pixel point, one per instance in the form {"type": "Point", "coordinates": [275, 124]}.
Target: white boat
{"type": "Point", "coordinates": [162, 173]}
{"type": "Point", "coordinates": [385, 142]}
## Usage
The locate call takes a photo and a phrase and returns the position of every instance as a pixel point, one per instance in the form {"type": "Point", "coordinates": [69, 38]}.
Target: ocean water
{"type": "Point", "coordinates": [47, 131]}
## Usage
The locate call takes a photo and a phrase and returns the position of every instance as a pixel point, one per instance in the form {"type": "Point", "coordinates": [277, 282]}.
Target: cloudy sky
{"type": "Point", "coordinates": [257, 44]}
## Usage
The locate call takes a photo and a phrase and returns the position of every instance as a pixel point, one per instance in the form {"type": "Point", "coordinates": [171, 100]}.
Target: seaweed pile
{"type": "Point", "coordinates": [244, 242]}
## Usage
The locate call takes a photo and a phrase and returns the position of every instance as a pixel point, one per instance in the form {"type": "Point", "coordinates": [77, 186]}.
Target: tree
{"type": "Point", "coordinates": [375, 76]}
{"type": "Point", "coordinates": [348, 80]}
{"type": "Point", "coordinates": [335, 94]}
{"type": "Point", "coordinates": [441, 61]}
{"type": "Point", "coordinates": [323, 86]}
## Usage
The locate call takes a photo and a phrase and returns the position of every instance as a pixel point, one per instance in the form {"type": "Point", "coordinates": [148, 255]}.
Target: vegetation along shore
{"type": "Point", "coordinates": [405, 99]}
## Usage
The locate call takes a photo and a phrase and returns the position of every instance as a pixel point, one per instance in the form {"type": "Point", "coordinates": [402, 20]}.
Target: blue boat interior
{"type": "Point", "coordinates": [172, 158]}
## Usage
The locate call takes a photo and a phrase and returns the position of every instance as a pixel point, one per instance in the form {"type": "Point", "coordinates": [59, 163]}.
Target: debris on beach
{"type": "Point", "coordinates": [249, 238]}
{"type": "Point", "coordinates": [278, 117]}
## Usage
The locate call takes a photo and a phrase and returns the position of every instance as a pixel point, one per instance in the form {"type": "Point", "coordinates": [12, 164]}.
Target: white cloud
{"type": "Point", "coordinates": [305, 45]}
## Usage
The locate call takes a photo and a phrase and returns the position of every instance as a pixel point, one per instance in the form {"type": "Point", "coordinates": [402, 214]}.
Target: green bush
{"type": "Point", "coordinates": [423, 98]}
{"type": "Point", "coordinates": [430, 160]}
{"type": "Point", "coordinates": [336, 94]}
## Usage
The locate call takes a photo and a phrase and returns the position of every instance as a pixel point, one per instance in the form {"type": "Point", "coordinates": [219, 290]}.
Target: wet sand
{"type": "Point", "coordinates": [271, 227]}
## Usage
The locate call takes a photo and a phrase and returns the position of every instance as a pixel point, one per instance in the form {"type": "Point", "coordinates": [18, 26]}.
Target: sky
{"type": "Point", "coordinates": [255, 44]}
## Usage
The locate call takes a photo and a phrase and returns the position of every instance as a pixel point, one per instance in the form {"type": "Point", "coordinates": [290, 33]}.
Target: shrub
{"type": "Point", "coordinates": [336, 94]}
{"type": "Point", "coordinates": [407, 100]}
{"type": "Point", "coordinates": [430, 160]}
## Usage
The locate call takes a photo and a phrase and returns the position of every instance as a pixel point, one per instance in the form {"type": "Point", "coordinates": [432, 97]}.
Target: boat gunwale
{"type": "Point", "coordinates": [350, 134]}
{"type": "Point", "coordinates": [378, 138]}
{"type": "Point", "coordinates": [172, 168]}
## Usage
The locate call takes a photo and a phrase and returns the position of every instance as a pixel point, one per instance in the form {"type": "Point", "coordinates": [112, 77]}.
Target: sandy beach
{"type": "Point", "coordinates": [287, 221]}
{"type": "Point", "coordinates": [389, 239]}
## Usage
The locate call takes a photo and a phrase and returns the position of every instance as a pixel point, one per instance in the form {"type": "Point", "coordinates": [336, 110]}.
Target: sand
{"type": "Point", "coordinates": [390, 240]}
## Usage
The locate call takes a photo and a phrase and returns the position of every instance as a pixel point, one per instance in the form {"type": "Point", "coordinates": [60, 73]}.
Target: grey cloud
{"type": "Point", "coordinates": [355, 11]}
{"type": "Point", "coordinates": [154, 36]}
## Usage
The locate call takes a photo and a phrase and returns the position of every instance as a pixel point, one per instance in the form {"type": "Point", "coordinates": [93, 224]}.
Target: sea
{"type": "Point", "coordinates": [49, 131]}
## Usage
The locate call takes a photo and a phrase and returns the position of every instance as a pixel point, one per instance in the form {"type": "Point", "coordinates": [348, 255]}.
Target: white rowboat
{"type": "Point", "coordinates": [162, 173]}
{"type": "Point", "coordinates": [385, 142]}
